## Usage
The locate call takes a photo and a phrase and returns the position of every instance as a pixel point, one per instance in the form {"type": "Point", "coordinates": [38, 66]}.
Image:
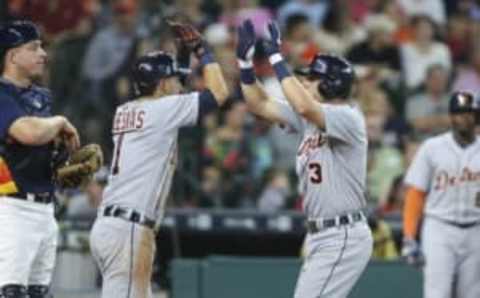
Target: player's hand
{"type": "Point", "coordinates": [272, 46]}
{"type": "Point", "coordinates": [412, 254]}
{"type": "Point", "coordinates": [187, 37]}
{"type": "Point", "coordinates": [70, 136]}
{"type": "Point", "coordinates": [246, 42]}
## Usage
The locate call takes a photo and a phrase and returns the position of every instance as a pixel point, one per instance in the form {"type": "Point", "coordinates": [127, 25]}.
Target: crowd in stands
{"type": "Point", "coordinates": [409, 55]}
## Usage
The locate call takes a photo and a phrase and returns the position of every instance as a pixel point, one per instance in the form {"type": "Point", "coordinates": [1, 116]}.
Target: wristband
{"type": "Point", "coordinates": [247, 76]}
{"type": "Point", "coordinates": [245, 64]}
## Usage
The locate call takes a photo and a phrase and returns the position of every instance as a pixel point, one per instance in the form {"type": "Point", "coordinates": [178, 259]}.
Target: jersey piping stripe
{"type": "Point", "coordinates": [337, 262]}
{"type": "Point", "coordinates": [131, 261]}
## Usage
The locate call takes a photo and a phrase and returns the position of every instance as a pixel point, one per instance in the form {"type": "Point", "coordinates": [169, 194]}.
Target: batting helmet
{"type": "Point", "coordinates": [152, 67]}
{"type": "Point", "coordinates": [462, 102]}
{"type": "Point", "coordinates": [336, 75]}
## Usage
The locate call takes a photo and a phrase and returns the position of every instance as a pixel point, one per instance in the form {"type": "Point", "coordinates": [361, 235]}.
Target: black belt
{"type": "Point", "coordinates": [130, 215]}
{"type": "Point", "coordinates": [465, 225]}
{"type": "Point", "coordinates": [44, 198]}
{"type": "Point", "coordinates": [314, 226]}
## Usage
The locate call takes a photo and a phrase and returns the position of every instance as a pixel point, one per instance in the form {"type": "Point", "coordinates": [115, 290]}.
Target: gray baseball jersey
{"type": "Point", "coordinates": [145, 135]}
{"type": "Point", "coordinates": [450, 175]}
{"type": "Point", "coordinates": [331, 164]}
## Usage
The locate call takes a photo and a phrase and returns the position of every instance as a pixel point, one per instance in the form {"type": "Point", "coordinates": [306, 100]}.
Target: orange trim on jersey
{"type": "Point", "coordinates": [412, 211]}
{"type": "Point", "coordinates": [7, 185]}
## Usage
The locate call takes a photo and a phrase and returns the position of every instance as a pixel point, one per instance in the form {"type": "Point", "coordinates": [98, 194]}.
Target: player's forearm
{"type": "Point", "coordinates": [215, 82]}
{"type": "Point", "coordinates": [298, 97]}
{"type": "Point", "coordinates": [255, 96]}
{"type": "Point", "coordinates": [36, 131]}
{"type": "Point", "coordinates": [412, 212]}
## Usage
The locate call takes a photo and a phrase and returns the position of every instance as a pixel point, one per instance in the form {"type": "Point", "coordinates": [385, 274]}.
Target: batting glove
{"type": "Point", "coordinates": [411, 253]}
{"type": "Point", "coordinates": [246, 45]}
{"type": "Point", "coordinates": [272, 46]}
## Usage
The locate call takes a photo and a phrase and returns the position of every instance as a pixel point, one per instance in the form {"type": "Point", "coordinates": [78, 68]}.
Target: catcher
{"type": "Point", "coordinates": [145, 134]}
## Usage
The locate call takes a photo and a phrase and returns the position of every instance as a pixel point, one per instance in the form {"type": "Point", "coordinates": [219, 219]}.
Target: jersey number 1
{"type": "Point", "coordinates": [116, 159]}
{"type": "Point", "coordinates": [315, 172]}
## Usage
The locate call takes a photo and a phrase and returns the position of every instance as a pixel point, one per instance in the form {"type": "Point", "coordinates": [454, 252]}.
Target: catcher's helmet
{"type": "Point", "coordinates": [16, 33]}
{"type": "Point", "coordinates": [461, 102]}
{"type": "Point", "coordinates": [336, 75]}
{"type": "Point", "coordinates": [152, 67]}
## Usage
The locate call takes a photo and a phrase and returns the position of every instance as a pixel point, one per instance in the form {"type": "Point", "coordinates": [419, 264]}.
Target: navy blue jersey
{"type": "Point", "coordinates": [23, 168]}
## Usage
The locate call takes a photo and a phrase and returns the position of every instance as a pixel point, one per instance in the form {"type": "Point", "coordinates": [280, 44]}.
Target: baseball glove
{"type": "Point", "coordinates": [80, 167]}
{"type": "Point", "coordinates": [186, 35]}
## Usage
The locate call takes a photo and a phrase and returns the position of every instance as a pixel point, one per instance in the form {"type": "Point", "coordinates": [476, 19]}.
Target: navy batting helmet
{"type": "Point", "coordinates": [336, 75]}
{"type": "Point", "coordinates": [152, 67]}
{"type": "Point", "coordinates": [462, 102]}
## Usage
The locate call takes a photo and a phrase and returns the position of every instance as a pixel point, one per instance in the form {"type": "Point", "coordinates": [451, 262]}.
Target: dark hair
{"type": "Point", "coordinates": [3, 55]}
{"type": "Point", "coordinates": [293, 22]}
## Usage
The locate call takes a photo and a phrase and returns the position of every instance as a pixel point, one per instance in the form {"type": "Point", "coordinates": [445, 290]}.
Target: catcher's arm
{"type": "Point", "coordinates": [40, 131]}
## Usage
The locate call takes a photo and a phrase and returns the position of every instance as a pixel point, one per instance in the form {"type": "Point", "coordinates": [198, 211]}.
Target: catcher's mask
{"type": "Point", "coordinates": [149, 69]}
{"type": "Point", "coordinates": [336, 75]}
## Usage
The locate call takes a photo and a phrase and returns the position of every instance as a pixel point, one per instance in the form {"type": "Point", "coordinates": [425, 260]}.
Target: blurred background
{"type": "Point", "coordinates": [234, 193]}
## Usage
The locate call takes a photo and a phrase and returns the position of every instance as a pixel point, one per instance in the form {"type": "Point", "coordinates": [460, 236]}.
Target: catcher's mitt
{"type": "Point", "coordinates": [80, 167]}
{"type": "Point", "coordinates": [186, 35]}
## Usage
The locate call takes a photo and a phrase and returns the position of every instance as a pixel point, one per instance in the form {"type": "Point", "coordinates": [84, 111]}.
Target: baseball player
{"type": "Point", "coordinates": [330, 162]}
{"type": "Point", "coordinates": [444, 188]}
{"type": "Point", "coordinates": [145, 155]}
{"type": "Point", "coordinates": [28, 230]}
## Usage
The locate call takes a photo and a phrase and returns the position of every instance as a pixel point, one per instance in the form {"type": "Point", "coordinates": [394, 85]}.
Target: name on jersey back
{"type": "Point", "coordinates": [128, 120]}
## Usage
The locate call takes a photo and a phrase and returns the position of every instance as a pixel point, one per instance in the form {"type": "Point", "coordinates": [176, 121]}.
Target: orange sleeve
{"type": "Point", "coordinates": [412, 211]}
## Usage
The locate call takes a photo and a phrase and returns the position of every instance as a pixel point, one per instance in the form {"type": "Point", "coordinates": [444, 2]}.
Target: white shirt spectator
{"type": "Point", "coordinates": [415, 63]}
{"type": "Point", "coordinates": [432, 8]}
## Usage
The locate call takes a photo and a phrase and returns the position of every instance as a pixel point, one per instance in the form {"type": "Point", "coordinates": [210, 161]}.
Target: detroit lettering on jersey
{"type": "Point", "coordinates": [312, 142]}
{"type": "Point", "coordinates": [128, 120]}
{"type": "Point", "coordinates": [444, 180]}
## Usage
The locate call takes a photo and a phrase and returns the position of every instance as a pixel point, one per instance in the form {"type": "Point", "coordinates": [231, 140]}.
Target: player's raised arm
{"type": "Point", "coordinates": [297, 95]}
{"type": "Point", "coordinates": [190, 39]}
{"type": "Point", "coordinates": [258, 101]}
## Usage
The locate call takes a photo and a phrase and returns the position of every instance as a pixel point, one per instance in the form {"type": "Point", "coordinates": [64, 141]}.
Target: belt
{"type": "Point", "coordinates": [44, 198]}
{"type": "Point", "coordinates": [129, 215]}
{"type": "Point", "coordinates": [316, 225]}
{"type": "Point", "coordinates": [465, 225]}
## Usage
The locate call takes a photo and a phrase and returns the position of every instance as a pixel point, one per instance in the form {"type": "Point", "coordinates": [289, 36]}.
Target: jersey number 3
{"type": "Point", "coordinates": [315, 172]}
{"type": "Point", "coordinates": [116, 159]}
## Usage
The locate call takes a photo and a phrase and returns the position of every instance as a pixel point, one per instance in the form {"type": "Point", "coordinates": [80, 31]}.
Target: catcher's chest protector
{"type": "Point", "coordinates": [24, 168]}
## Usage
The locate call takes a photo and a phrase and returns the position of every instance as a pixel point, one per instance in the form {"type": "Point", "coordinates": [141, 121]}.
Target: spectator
{"type": "Point", "coordinates": [434, 9]}
{"type": "Point", "coordinates": [384, 247]}
{"type": "Point", "coordinates": [422, 52]}
{"type": "Point", "coordinates": [313, 10]}
{"type": "Point", "coordinates": [393, 204]}
{"type": "Point", "coordinates": [378, 50]}
{"type": "Point", "coordinates": [338, 32]}
{"type": "Point", "coordinates": [468, 76]}
{"type": "Point", "coordinates": [274, 196]}
{"type": "Point", "coordinates": [210, 188]}
{"type": "Point", "coordinates": [427, 111]}
{"type": "Point", "coordinates": [110, 52]}
{"type": "Point", "coordinates": [299, 39]}
{"type": "Point", "coordinates": [228, 148]}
